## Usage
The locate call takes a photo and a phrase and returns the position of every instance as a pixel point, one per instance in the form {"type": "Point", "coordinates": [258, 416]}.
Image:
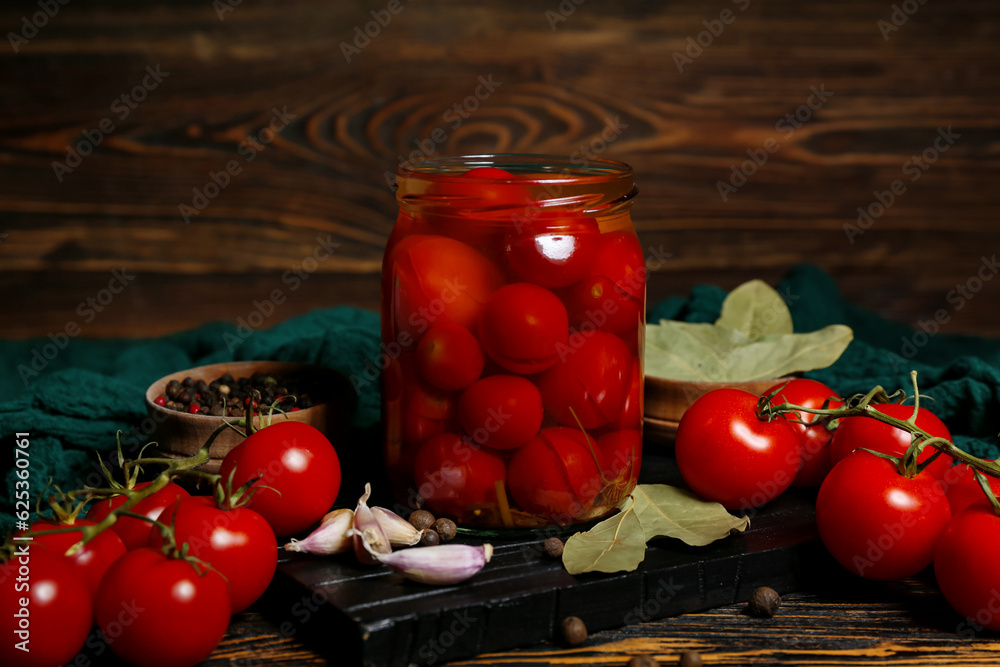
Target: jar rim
{"type": "Point", "coordinates": [562, 168]}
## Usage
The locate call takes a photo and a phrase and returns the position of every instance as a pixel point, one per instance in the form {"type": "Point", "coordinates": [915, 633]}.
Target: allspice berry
{"type": "Point", "coordinates": [422, 519]}
{"type": "Point", "coordinates": [689, 659]}
{"type": "Point", "coordinates": [764, 602]}
{"type": "Point", "coordinates": [574, 632]}
{"type": "Point", "coordinates": [446, 529]}
{"type": "Point", "coordinates": [643, 661]}
{"type": "Point", "coordinates": [553, 547]}
{"type": "Point", "coordinates": [429, 538]}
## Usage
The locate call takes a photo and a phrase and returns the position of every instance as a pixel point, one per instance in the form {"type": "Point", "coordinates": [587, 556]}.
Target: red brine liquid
{"type": "Point", "coordinates": [513, 304]}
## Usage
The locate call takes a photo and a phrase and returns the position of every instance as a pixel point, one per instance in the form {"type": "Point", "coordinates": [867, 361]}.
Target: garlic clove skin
{"type": "Point", "coordinates": [398, 530]}
{"type": "Point", "coordinates": [440, 565]}
{"type": "Point", "coordinates": [369, 538]}
{"type": "Point", "coordinates": [332, 536]}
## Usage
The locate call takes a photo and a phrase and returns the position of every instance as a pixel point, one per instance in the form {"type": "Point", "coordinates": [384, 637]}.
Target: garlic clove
{"type": "Point", "coordinates": [440, 565]}
{"type": "Point", "coordinates": [369, 538]}
{"type": "Point", "coordinates": [332, 536]}
{"type": "Point", "coordinates": [398, 530]}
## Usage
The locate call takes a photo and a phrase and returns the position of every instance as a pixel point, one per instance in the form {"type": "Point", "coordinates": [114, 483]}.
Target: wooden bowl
{"type": "Point", "coordinates": [180, 434]}
{"type": "Point", "coordinates": [666, 401]}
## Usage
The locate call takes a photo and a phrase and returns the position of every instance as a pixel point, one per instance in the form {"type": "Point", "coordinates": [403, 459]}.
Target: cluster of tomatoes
{"type": "Point", "coordinates": [875, 517]}
{"type": "Point", "coordinates": [517, 333]}
{"type": "Point", "coordinates": [158, 604]}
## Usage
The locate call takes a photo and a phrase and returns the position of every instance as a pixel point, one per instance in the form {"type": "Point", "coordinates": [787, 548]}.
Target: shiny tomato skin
{"type": "Point", "coordinates": [135, 532]}
{"type": "Point", "coordinates": [162, 612]}
{"type": "Point", "coordinates": [452, 476]}
{"type": "Point", "coordinates": [591, 379]}
{"type": "Point", "coordinates": [450, 357]}
{"type": "Point", "coordinates": [815, 440]}
{"type": "Point", "coordinates": [556, 475]}
{"type": "Point", "coordinates": [522, 326]}
{"type": "Point", "coordinates": [238, 543]}
{"type": "Point", "coordinates": [298, 463]}
{"type": "Point", "coordinates": [553, 248]}
{"type": "Point", "coordinates": [967, 565]}
{"type": "Point", "coordinates": [622, 455]}
{"type": "Point", "coordinates": [501, 411]}
{"type": "Point", "coordinates": [92, 560]}
{"type": "Point", "coordinates": [481, 188]}
{"type": "Point", "coordinates": [856, 432]}
{"type": "Point", "coordinates": [963, 489]}
{"type": "Point", "coordinates": [596, 301]}
{"type": "Point", "coordinates": [59, 604]}
{"type": "Point", "coordinates": [876, 522]}
{"type": "Point", "coordinates": [620, 260]}
{"type": "Point", "coordinates": [727, 454]}
{"type": "Point", "coordinates": [437, 280]}
{"type": "Point", "coordinates": [632, 410]}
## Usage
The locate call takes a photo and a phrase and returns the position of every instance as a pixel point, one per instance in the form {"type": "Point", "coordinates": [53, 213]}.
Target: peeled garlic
{"type": "Point", "coordinates": [443, 564]}
{"type": "Point", "coordinates": [369, 537]}
{"type": "Point", "coordinates": [398, 530]}
{"type": "Point", "coordinates": [332, 536]}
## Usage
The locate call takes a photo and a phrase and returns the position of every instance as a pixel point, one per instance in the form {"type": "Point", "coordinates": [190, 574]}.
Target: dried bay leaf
{"type": "Point", "coordinates": [755, 309]}
{"type": "Point", "coordinates": [667, 511]}
{"type": "Point", "coordinates": [614, 545]}
{"type": "Point", "coordinates": [776, 356]}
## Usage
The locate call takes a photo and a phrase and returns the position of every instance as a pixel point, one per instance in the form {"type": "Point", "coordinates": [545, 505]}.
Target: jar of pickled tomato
{"type": "Point", "coordinates": [513, 306]}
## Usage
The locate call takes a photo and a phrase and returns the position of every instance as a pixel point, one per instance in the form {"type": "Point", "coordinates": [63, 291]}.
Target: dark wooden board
{"type": "Point", "coordinates": [373, 616]}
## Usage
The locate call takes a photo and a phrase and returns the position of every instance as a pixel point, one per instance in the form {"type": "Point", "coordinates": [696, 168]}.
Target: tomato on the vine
{"type": "Point", "coordinates": [964, 490]}
{"type": "Point", "coordinates": [728, 454]}
{"type": "Point", "coordinates": [877, 522]}
{"type": "Point", "coordinates": [237, 542]}
{"type": "Point", "coordinates": [501, 411]}
{"type": "Point", "coordinates": [300, 467]}
{"type": "Point", "coordinates": [135, 532]}
{"type": "Point", "coordinates": [162, 612]}
{"type": "Point", "coordinates": [46, 604]}
{"type": "Point", "coordinates": [93, 559]}
{"type": "Point", "coordinates": [967, 565]}
{"type": "Point", "coordinates": [815, 438]}
{"type": "Point", "coordinates": [857, 432]}
{"type": "Point", "coordinates": [522, 326]}
{"type": "Point", "coordinates": [449, 357]}
{"type": "Point", "coordinates": [452, 476]}
{"type": "Point", "coordinates": [553, 248]}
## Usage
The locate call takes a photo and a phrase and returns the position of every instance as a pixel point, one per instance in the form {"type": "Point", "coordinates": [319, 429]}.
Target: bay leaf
{"type": "Point", "coordinates": [667, 511]}
{"type": "Point", "coordinates": [775, 356]}
{"type": "Point", "coordinates": [616, 544]}
{"type": "Point", "coordinates": [756, 310]}
{"type": "Point", "coordinates": [687, 351]}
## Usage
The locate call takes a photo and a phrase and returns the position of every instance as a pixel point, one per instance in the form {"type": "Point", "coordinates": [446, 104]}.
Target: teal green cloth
{"type": "Point", "coordinates": [75, 404]}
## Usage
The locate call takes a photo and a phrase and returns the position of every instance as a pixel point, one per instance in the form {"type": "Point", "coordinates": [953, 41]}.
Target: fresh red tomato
{"type": "Point", "coordinates": [856, 432]}
{"type": "Point", "coordinates": [502, 411]}
{"type": "Point", "coordinates": [46, 604]}
{"type": "Point", "coordinates": [815, 439]}
{"type": "Point", "coordinates": [620, 259]}
{"type": "Point", "coordinates": [631, 414]}
{"type": "Point", "coordinates": [964, 490]}
{"type": "Point", "coordinates": [449, 357]}
{"type": "Point", "coordinates": [427, 411]}
{"type": "Point", "coordinates": [726, 453]}
{"type": "Point", "coordinates": [622, 454]}
{"type": "Point", "coordinates": [160, 612]}
{"type": "Point", "coordinates": [967, 566]}
{"type": "Point", "coordinates": [135, 532]}
{"type": "Point", "coordinates": [299, 465]}
{"type": "Point", "coordinates": [238, 543]}
{"type": "Point", "coordinates": [522, 327]}
{"type": "Point", "coordinates": [591, 380]}
{"type": "Point", "coordinates": [93, 559]}
{"type": "Point", "coordinates": [556, 475]}
{"type": "Point", "coordinates": [595, 301]}
{"type": "Point", "coordinates": [437, 280]}
{"type": "Point", "coordinates": [553, 248]}
{"type": "Point", "coordinates": [876, 522]}
{"type": "Point", "coordinates": [453, 477]}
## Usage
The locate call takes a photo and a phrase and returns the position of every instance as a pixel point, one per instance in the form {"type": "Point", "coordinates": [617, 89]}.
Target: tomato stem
{"type": "Point", "coordinates": [984, 484]}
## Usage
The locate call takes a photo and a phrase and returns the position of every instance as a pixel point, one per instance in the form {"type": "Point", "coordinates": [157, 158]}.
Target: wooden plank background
{"type": "Point", "coordinates": [561, 76]}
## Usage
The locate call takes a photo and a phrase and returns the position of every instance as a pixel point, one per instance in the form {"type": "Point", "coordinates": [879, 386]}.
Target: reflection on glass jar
{"type": "Point", "coordinates": [513, 303]}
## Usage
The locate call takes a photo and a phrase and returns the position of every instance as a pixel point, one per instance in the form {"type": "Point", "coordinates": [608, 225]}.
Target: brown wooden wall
{"type": "Point", "coordinates": [560, 79]}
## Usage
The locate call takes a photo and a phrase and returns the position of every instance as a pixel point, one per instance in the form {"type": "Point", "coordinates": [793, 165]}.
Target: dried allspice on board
{"type": "Point", "coordinates": [764, 602]}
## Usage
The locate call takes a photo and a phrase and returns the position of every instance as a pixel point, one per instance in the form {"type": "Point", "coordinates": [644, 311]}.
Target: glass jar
{"type": "Point", "coordinates": [513, 307]}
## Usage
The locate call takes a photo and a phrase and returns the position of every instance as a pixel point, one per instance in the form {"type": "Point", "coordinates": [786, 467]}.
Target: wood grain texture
{"type": "Point", "coordinates": [556, 90]}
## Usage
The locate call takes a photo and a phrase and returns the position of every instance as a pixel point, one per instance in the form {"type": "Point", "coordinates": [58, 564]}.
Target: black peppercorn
{"type": "Point", "coordinates": [446, 529]}
{"type": "Point", "coordinates": [553, 547]}
{"type": "Point", "coordinates": [643, 661]}
{"type": "Point", "coordinates": [764, 602]}
{"type": "Point", "coordinates": [422, 519]}
{"type": "Point", "coordinates": [430, 538]}
{"type": "Point", "coordinates": [574, 632]}
{"type": "Point", "coordinates": [689, 659]}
